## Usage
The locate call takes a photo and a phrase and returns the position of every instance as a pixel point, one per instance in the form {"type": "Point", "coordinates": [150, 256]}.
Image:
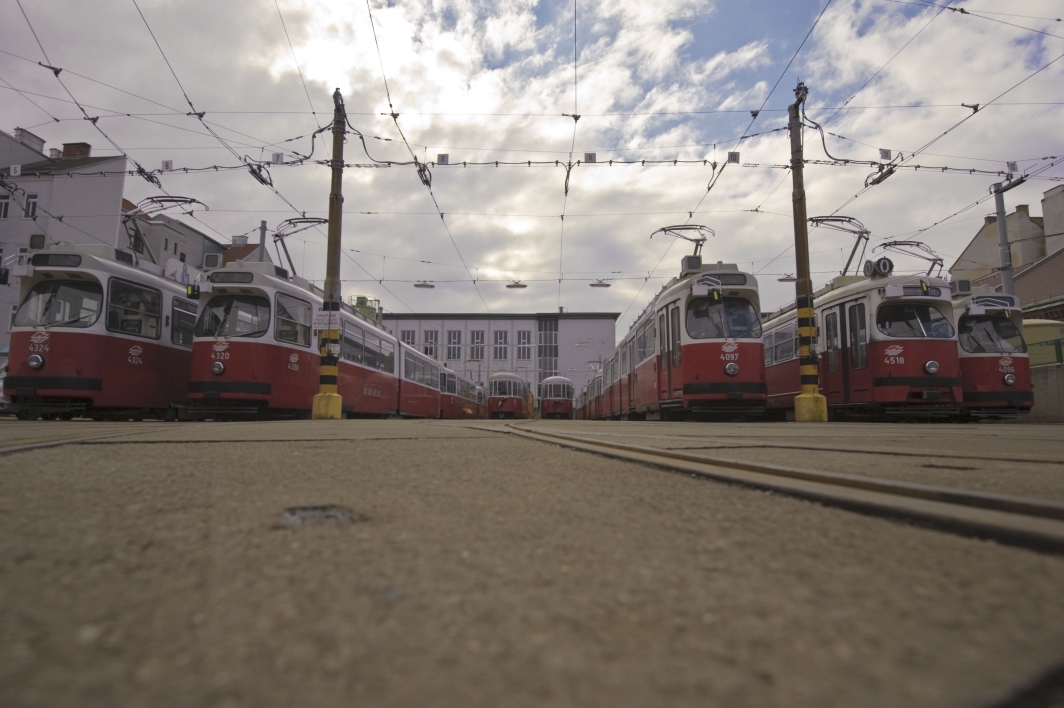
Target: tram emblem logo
{"type": "Point", "coordinates": [729, 347]}
{"type": "Point", "coordinates": [294, 358]}
{"type": "Point", "coordinates": [293, 362]}
{"type": "Point", "coordinates": [1005, 361]}
{"type": "Point", "coordinates": [39, 337]}
{"type": "Point", "coordinates": [221, 346]}
{"type": "Point", "coordinates": [894, 350]}
{"type": "Point", "coordinates": [136, 350]}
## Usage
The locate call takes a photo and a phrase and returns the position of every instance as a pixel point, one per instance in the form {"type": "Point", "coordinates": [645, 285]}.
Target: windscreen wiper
{"type": "Point", "coordinates": [68, 322]}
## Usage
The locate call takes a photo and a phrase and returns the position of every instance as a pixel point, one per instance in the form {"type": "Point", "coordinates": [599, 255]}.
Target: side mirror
{"type": "Point", "coordinates": [192, 291]}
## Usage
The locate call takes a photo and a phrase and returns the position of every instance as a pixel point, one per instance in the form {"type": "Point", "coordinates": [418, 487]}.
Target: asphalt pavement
{"type": "Point", "coordinates": [417, 563]}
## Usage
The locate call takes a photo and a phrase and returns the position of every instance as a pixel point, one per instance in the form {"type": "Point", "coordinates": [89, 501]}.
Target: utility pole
{"type": "Point", "coordinates": [327, 403]}
{"type": "Point", "coordinates": [809, 406]}
{"type": "Point", "coordinates": [1004, 248]}
{"type": "Point", "coordinates": [262, 241]}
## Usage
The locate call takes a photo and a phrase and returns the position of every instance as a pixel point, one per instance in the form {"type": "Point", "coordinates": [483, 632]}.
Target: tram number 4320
{"type": "Point", "coordinates": [219, 355]}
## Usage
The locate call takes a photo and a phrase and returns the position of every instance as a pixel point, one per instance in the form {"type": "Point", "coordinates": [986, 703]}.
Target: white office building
{"type": "Point", "coordinates": [533, 346]}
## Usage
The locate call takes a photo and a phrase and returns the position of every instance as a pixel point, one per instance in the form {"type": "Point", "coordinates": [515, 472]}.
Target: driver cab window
{"type": "Point", "coordinates": [133, 310]}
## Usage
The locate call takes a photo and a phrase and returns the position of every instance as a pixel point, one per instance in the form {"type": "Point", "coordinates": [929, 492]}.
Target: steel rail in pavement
{"type": "Point", "coordinates": [1018, 521]}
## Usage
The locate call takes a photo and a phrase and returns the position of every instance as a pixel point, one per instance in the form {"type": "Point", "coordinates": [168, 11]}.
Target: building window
{"type": "Point", "coordinates": [182, 257]}
{"type": "Point", "coordinates": [4, 202]}
{"type": "Point", "coordinates": [547, 348]}
{"type": "Point", "coordinates": [454, 344]}
{"type": "Point", "coordinates": [30, 210]}
{"type": "Point", "coordinates": [175, 248]}
{"type": "Point", "coordinates": [501, 352]}
{"type": "Point", "coordinates": [407, 336]}
{"type": "Point", "coordinates": [524, 345]}
{"type": "Point", "coordinates": [476, 345]}
{"type": "Point", "coordinates": [166, 245]}
{"type": "Point", "coordinates": [432, 342]}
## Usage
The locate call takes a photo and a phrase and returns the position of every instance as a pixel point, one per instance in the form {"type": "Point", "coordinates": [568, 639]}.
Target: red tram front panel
{"type": "Point", "coordinates": [255, 371]}
{"type": "Point", "coordinates": [98, 369]}
{"type": "Point", "coordinates": [995, 365]}
{"type": "Point", "coordinates": [706, 381]}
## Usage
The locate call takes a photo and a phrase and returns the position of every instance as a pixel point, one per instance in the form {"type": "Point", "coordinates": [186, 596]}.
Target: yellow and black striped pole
{"type": "Point", "coordinates": [327, 402]}
{"type": "Point", "coordinates": [809, 406]}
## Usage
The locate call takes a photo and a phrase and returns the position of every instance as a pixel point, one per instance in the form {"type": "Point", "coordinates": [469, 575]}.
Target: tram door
{"type": "Point", "coordinates": [663, 356]}
{"type": "Point", "coordinates": [848, 378]}
{"type": "Point", "coordinates": [832, 374]}
{"type": "Point", "coordinates": [676, 353]}
{"type": "Point", "coordinates": [860, 373]}
{"type": "Point", "coordinates": [630, 403]}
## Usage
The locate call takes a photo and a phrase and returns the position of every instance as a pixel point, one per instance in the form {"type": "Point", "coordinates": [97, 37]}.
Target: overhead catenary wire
{"type": "Point", "coordinates": [978, 108]}
{"type": "Point", "coordinates": [423, 171]}
{"type": "Point", "coordinates": [753, 118]}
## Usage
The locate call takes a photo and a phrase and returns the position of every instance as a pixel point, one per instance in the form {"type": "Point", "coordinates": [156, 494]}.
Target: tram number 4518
{"type": "Point", "coordinates": [894, 360]}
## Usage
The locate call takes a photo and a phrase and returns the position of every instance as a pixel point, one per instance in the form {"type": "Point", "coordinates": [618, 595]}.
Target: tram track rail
{"type": "Point", "coordinates": [1035, 524]}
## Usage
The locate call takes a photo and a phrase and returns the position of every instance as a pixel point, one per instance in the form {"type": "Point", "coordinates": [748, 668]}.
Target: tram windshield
{"type": "Point", "coordinates": [729, 318]}
{"type": "Point", "coordinates": [234, 316]}
{"type": "Point", "coordinates": [990, 334]}
{"type": "Point", "coordinates": [61, 303]}
{"type": "Point", "coordinates": [557, 390]}
{"type": "Point", "coordinates": [903, 319]}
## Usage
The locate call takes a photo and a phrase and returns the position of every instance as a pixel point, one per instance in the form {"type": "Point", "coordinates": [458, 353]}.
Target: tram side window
{"type": "Point", "coordinates": [674, 324]}
{"type": "Point", "coordinates": [183, 322]}
{"type": "Point", "coordinates": [661, 334]}
{"type": "Point", "coordinates": [624, 358]}
{"type": "Point", "coordinates": [351, 346]}
{"type": "Point", "coordinates": [292, 323]}
{"type": "Point", "coordinates": [641, 343]}
{"type": "Point", "coordinates": [831, 334]}
{"type": "Point", "coordinates": [784, 346]}
{"type": "Point", "coordinates": [371, 355]}
{"type": "Point", "coordinates": [134, 310]}
{"type": "Point", "coordinates": [858, 336]}
{"type": "Point", "coordinates": [435, 376]}
{"type": "Point", "coordinates": [387, 357]}
{"type": "Point", "coordinates": [409, 367]}
{"type": "Point", "coordinates": [452, 384]}
{"type": "Point", "coordinates": [767, 342]}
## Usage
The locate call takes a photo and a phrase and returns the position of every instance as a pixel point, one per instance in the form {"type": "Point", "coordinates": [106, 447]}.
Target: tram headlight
{"type": "Point", "coordinates": [731, 368]}
{"type": "Point", "coordinates": [1009, 379]}
{"type": "Point", "coordinates": [35, 361]}
{"type": "Point", "coordinates": [931, 367]}
{"type": "Point", "coordinates": [217, 368]}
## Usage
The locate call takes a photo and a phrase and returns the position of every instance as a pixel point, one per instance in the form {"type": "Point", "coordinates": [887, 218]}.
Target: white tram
{"type": "Point", "coordinates": [995, 367]}
{"type": "Point", "coordinates": [886, 346]}
{"type": "Point", "coordinates": [100, 331]}
{"type": "Point", "coordinates": [256, 353]}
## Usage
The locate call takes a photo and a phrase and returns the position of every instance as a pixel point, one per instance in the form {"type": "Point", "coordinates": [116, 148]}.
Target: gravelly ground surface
{"type": "Point", "coordinates": [482, 570]}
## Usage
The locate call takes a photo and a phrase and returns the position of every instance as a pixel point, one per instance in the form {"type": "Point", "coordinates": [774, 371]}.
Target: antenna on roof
{"type": "Point", "coordinates": [850, 225]}
{"type": "Point", "coordinates": [915, 248]}
{"type": "Point", "coordinates": [293, 226]}
{"type": "Point", "coordinates": [694, 233]}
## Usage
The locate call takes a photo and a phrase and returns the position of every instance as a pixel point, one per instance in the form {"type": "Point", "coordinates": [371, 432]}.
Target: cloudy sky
{"type": "Point", "coordinates": [486, 81]}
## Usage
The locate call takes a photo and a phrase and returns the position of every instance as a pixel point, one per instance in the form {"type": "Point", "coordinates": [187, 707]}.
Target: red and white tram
{"type": "Point", "coordinates": [995, 369]}
{"type": "Point", "coordinates": [99, 332]}
{"type": "Point", "coordinates": [255, 353]}
{"type": "Point", "coordinates": [458, 396]}
{"type": "Point", "coordinates": [482, 402]}
{"type": "Point", "coordinates": [886, 346]}
{"type": "Point", "coordinates": [694, 352]}
{"type": "Point", "coordinates": [556, 398]}
{"type": "Point", "coordinates": [509, 396]}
